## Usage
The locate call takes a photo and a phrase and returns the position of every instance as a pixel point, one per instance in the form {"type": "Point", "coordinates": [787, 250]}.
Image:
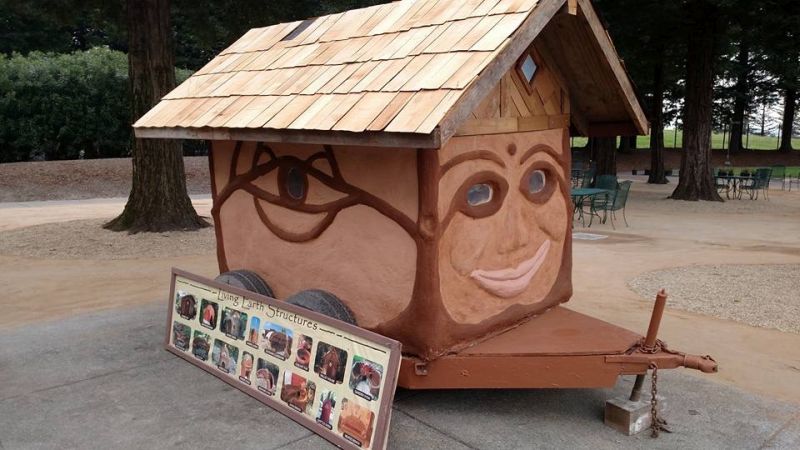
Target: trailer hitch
{"type": "Point", "coordinates": [652, 351]}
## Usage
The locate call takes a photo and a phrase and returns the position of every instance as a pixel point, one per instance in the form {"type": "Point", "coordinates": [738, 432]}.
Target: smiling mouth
{"type": "Point", "coordinates": [510, 282]}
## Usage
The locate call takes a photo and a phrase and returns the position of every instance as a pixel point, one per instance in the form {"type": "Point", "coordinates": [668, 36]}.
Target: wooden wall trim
{"type": "Point", "coordinates": [500, 125]}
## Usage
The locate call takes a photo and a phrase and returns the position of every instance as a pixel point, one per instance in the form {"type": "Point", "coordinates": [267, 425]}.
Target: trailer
{"type": "Point", "coordinates": [406, 168]}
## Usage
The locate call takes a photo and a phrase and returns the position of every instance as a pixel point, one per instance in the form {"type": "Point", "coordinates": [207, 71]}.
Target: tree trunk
{"type": "Point", "coordinates": [741, 93]}
{"type": "Point", "coordinates": [158, 200]}
{"type": "Point", "coordinates": [787, 127]}
{"type": "Point", "coordinates": [627, 144]}
{"type": "Point", "coordinates": [657, 173]}
{"type": "Point", "coordinates": [606, 155]}
{"type": "Point", "coordinates": [696, 180]}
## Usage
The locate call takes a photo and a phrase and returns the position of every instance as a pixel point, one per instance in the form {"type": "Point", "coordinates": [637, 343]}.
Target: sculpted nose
{"type": "Point", "coordinates": [515, 233]}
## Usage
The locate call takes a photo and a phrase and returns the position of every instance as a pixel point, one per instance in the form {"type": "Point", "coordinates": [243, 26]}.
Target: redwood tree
{"type": "Point", "coordinates": [657, 172]}
{"type": "Point", "coordinates": [158, 200]}
{"type": "Point", "coordinates": [789, 112]}
{"type": "Point", "coordinates": [741, 93]}
{"type": "Point", "coordinates": [605, 154]}
{"type": "Point", "coordinates": [696, 180]}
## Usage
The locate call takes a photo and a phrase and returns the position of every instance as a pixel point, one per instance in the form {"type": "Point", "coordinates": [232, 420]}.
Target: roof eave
{"type": "Point", "coordinates": [363, 138]}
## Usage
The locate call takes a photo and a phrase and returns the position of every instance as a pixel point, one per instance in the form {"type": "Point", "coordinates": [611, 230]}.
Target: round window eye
{"type": "Point", "coordinates": [536, 182]}
{"type": "Point", "coordinates": [479, 194]}
{"type": "Point", "coordinates": [295, 183]}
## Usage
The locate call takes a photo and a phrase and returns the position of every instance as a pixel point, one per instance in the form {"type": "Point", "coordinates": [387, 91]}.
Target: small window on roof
{"type": "Point", "coordinates": [527, 68]}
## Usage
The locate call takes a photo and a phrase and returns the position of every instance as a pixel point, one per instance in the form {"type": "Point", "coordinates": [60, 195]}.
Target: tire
{"type": "Point", "coordinates": [324, 303]}
{"type": "Point", "coordinates": [247, 280]}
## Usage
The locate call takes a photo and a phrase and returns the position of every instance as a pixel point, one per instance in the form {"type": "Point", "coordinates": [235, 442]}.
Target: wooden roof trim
{"type": "Point", "coordinates": [364, 138]}
{"type": "Point", "coordinates": [625, 88]}
{"type": "Point", "coordinates": [504, 60]}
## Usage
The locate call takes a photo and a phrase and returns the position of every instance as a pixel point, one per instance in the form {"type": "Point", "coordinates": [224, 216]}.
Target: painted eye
{"type": "Point", "coordinates": [295, 183]}
{"type": "Point", "coordinates": [479, 194]}
{"type": "Point", "coordinates": [537, 181]}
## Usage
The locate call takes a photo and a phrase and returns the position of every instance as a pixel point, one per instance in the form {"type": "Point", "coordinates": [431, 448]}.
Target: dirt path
{"type": "Point", "coordinates": [663, 234]}
{"type": "Point", "coordinates": [25, 214]}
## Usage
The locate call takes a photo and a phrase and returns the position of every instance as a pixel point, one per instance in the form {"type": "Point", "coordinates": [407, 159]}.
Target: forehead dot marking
{"type": "Point", "coordinates": [512, 149]}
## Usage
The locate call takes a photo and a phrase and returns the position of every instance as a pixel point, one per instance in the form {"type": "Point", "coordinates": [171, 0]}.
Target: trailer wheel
{"type": "Point", "coordinates": [247, 280]}
{"type": "Point", "coordinates": [323, 302]}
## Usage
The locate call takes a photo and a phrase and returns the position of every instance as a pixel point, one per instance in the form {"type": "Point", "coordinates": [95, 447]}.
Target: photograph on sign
{"type": "Point", "coordinates": [334, 378]}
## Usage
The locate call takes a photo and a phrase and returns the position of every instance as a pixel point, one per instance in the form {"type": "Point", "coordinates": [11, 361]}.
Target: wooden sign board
{"type": "Point", "coordinates": [334, 378]}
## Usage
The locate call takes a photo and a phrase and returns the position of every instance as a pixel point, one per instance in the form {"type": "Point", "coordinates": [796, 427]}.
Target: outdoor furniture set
{"type": "Point", "coordinates": [607, 196]}
{"type": "Point", "coordinates": [752, 183]}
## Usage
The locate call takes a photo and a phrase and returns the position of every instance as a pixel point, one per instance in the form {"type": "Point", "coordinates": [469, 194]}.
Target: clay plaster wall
{"type": "Point", "coordinates": [345, 236]}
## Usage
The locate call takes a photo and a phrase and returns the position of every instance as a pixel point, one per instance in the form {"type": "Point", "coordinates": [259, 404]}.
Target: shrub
{"type": "Point", "coordinates": [65, 106]}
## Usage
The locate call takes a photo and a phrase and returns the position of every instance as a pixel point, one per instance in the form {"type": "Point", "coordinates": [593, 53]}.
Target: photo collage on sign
{"type": "Point", "coordinates": [305, 371]}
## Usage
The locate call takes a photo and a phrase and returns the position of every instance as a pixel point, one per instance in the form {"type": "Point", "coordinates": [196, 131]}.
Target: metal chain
{"type": "Point", "coordinates": [657, 424]}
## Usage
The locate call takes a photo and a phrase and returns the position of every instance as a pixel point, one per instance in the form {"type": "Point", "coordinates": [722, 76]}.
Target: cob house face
{"type": "Point", "coordinates": [411, 158]}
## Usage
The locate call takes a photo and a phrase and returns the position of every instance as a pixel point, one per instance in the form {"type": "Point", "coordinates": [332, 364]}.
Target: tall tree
{"type": "Point", "coordinates": [780, 43]}
{"type": "Point", "coordinates": [789, 113]}
{"type": "Point", "coordinates": [644, 33]}
{"type": "Point", "coordinates": [158, 200]}
{"type": "Point", "coordinates": [657, 173]}
{"type": "Point", "coordinates": [741, 93]}
{"type": "Point", "coordinates": [696, 180]}
{"type": "Point", "coordinates": [605, 154]}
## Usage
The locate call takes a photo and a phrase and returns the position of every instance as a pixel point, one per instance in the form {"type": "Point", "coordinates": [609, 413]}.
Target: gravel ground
{"type": "Point", "coordinates": [764, 295]}
{"type": "Point", "coordinates": [86, 239]}
{"type": "Point", "coordinates": [90, 178]}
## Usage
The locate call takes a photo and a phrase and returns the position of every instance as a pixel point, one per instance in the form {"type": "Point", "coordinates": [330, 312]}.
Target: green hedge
{"type": "Point", "coordinates": [65, 106]}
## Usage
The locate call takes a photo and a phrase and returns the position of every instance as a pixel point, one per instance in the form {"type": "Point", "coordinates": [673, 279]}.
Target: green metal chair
{"type": "Point", "coordinates": [602, 202]}
{"type": "Point", "coordinates": [779, 174]}
{"type": "Point", "coordinates": [588, 177]}
{"type": "Point", "coordinates": [620, 200]}
{"type": "Point", "coordinates": [722, 182]}
{"type": "Point", "coordinates": [759, 183]}
{"type": "Point", "coordinates": [795, 180]}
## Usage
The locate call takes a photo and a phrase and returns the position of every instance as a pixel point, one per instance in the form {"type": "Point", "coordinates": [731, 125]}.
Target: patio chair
{"type": "Point", "coordinates": [779, 174]}
{"type": "Point", "coordinates": [795, 180]}
{"type": "Point", "coordinates": [722, 183]}
{"type": "Point", "coordinates": [759, 183]}
{"type": "Point", "coordinates": [576, 175]}
{"type": "Point", "coordinates": [616, 202]}
{"type": "Point", "coordinates": [588, 177]}
{"type": "Point", "coordinates": [602, 202]}
{"type": "Point", "coordinates": [606, 182]}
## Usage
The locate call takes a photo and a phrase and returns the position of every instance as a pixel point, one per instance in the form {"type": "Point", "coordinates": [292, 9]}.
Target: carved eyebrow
{"type": "Point", "coordinates": [539, 148]}
{"type": "Point", "coordinates": [485, 155]}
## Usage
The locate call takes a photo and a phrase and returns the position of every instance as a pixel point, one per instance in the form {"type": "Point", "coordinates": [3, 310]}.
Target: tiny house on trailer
{"type": "Point", "coordinates": [406, 167]}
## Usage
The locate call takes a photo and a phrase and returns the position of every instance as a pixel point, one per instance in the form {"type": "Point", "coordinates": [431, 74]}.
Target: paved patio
{"type": "Point", "coordinates": [102, 380]}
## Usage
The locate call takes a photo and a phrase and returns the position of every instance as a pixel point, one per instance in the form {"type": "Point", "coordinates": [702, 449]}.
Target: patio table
{"type": "Point", "coordinates": [579, 195]}
{"type": "Point", "coordinates": [734, 184]}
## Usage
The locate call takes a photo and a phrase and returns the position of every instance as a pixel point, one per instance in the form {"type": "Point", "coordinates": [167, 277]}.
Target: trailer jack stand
{"type": "Point", "coordinates": [631, 415]}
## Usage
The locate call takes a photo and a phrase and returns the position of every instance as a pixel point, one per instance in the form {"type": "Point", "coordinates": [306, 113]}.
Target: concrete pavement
{"type": "Point", "coordinates": [102, 380]}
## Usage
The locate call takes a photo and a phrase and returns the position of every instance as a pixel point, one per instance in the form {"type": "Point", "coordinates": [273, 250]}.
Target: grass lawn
{"type": "Point", "coordinates": [755, 142]}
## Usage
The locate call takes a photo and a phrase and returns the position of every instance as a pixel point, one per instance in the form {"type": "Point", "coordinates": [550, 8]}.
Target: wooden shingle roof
{"type": "Point", "coordinates": [398, 73]}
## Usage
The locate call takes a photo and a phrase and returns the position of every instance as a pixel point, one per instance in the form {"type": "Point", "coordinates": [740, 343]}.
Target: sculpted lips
{"type": "Point", "coordinates": [507, 283]}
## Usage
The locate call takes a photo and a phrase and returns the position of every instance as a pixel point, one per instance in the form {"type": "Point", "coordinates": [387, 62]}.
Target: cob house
{"type": "Point", "coordinates": [406, 167]}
